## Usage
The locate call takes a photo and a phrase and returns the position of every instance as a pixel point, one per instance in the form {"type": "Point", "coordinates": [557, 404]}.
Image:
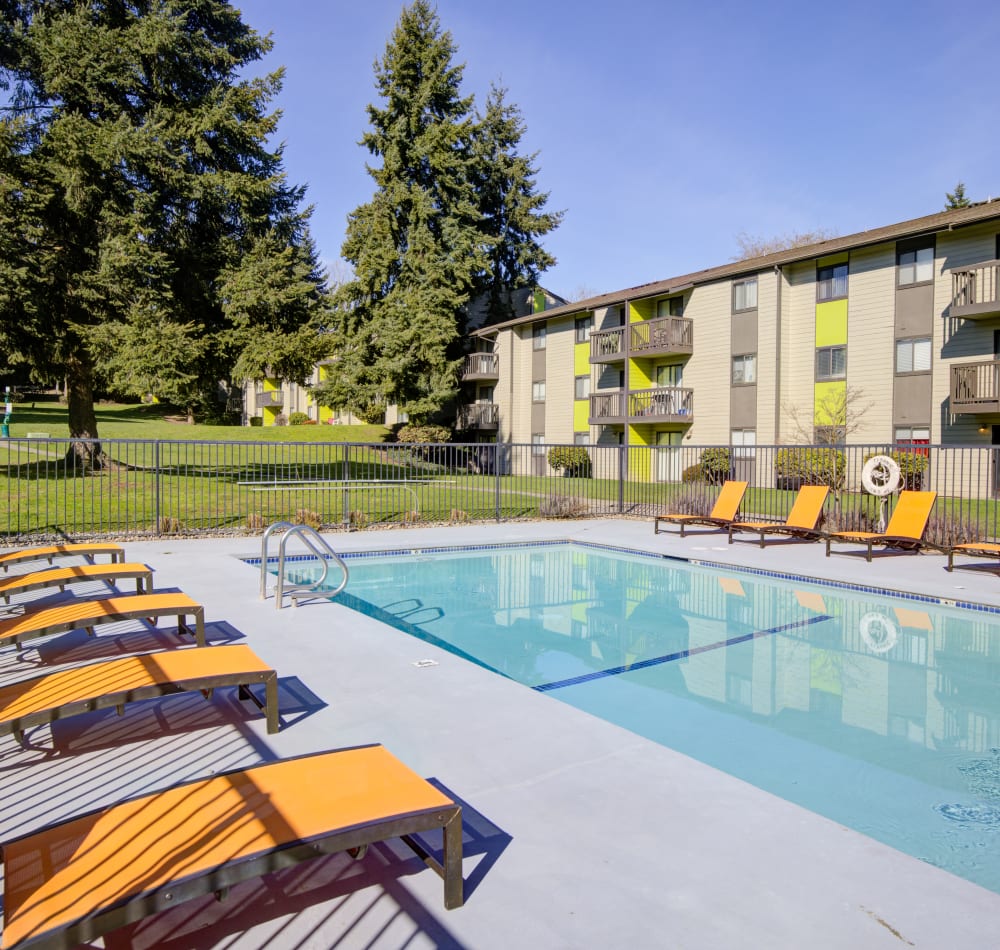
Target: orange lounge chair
{"type": "Point", "coordinates": [802, 521]}
{"type": "Point", "coordinates": [973, 549]}
{"type": "Point", "coordinates": [85, 877]}
{"type": "Point", "coordinates": [906, 526]}
{"type": "Point", "coordinates": [114, 682]}
{"type": "Point", "coordinates": [115, 551]}
{"type": "Point", "coordinates": [724, 511]}
{"type": "Point", "coordinates": [86, 614]}
{"type": "Point", "coordinates": [61, 576]}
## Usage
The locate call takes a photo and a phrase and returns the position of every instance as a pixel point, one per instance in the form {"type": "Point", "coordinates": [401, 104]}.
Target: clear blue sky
{"type": "Point", "coordinates": [664, 130]}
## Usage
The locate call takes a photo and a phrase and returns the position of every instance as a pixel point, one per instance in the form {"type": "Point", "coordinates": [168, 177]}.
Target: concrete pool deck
{"type": "Point", "coordinates": [578, 833]}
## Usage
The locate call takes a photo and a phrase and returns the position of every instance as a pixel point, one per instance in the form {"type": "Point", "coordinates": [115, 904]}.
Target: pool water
{"type": "Point", "coordinates": [881, 713]}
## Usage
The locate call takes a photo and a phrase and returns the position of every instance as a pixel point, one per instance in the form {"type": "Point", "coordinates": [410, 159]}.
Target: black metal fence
{"type": "Point", "coordinates": [148, 487]}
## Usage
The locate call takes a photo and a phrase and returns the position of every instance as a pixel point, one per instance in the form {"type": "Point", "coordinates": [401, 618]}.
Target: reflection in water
{"type": "Point", "coordinates": [881, 714]}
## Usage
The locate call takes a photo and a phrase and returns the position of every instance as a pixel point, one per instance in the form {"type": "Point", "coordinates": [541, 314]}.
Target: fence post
{"type": "Point", "coordinates": [345, 476]}
{"type": "Point", "coordinates": [156, 488]}
{"type": "Point", "coordinates": [496, 477]}
{"type": "Point", "coordinates": [622, 465]}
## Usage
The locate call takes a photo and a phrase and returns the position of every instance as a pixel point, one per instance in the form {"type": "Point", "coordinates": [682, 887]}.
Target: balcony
{"type": "Point", "coordinates": [481, 366]}
{"type": "Point", "coordinates": [269, 397]}
{"type": "Point", "coordinates": [975, 387]}
{"type": "Point", "coordinates": [479, 415]}
{"type": "Point", "coordinates": [607, 346]}
{"type": "Point", "coordinates": [661, 337]}
{"type": "Point", "coordinates": [664, 404]}
{"type": "Point", "coordinates": [975, 291]}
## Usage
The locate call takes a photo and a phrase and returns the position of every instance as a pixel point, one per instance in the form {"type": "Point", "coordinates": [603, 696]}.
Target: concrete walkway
{"type": "Point", "coordinates": [579, 834]}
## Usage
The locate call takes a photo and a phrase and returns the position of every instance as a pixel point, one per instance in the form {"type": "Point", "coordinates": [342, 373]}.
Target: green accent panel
{"type": "Point", "coordinates": [639, 462]}
{"type": "Point", "coordinates": [641, 310]}
{"type": "Point", "coordinates": [831, 323]}
{"type": "Point", "coordinates": [581, 412]}
{"type": "Point", "coordinates": [272, 385]}
{"type": "Point", "coordinates": [822, 393]}
{"type": "Point", "coordinates": [270, 413]}
{"type": "Point", "coordinates": [825, 671]}
{"type": "Point", "coordinates": [640, 374]}
{"type": "Point", "coordinates": [581, 359]}
{"type": "Point", "coordinates": [842, 258]}
{"type": "Point", "coordinates": [539, 301]}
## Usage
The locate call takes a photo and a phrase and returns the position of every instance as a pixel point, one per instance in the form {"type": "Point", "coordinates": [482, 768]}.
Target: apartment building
{"type": "Point", "coordinates": [900, 323]}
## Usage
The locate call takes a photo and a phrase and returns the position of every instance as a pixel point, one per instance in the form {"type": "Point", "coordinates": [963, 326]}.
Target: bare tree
{"type": "Point", "coordinates": [751, 245]}
{"type": "Point", "coordinates": [582, 292]}
{"type": "Point", "coordinates": [836, 416]}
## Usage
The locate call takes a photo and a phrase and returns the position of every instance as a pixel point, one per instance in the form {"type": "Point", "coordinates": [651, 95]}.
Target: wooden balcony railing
{"type": "Point", "coordinates": [479, 415]}
{"type": "Point", "coordinates": [269, 397]}
{"type": "Point", "coordinates": [607, 345]}
{"type": "Point", "coordinates": [975, 291]}
{"type": "Point", "coordinates": [481, 366]}
{"type": "Point", "coordinates": [607, 407]}
{"type": "Point", "coordinates": [975, 387]}
{"type": "Point", "coordinates": [662, 404]}
{"type": "Point", "coordinates": [660, 336]}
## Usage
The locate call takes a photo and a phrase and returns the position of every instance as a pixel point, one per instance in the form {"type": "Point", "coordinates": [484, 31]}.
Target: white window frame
{"type": "Point", "coordinates": [582, 328]}
{"type": "Point", "coordinates": [537, 443]}
{"type": "Point", "coordinates": [829, 374]}
{"type": "Point", "coordinates": [581, 438]}
{"type": "Point", "coordinates": [834, 285]}
{"type": "Point", "coordinates": [581, 383]}
{"type": "Point", "coordinates": [538, 334]}
{"type": "Point", "coordinates": [742, 294]}
{"type": "Point", "coordinates": [913, 355]}
{"type": "Point", "coordinates": [538, 390]}
{"type": "Point", "coordinates": [915, 266]}
{"type": "Point", "coordinates": [740, 365]}
{"type": "Point", "coordinates": [744, 443]}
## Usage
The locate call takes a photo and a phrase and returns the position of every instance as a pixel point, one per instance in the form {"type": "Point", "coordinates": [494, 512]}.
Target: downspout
{"type": "Point", "coordinates": [779, 274]}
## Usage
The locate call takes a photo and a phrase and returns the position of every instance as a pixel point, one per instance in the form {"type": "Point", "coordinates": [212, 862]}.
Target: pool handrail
{"type": "Point", "coordinates": [313, 540]}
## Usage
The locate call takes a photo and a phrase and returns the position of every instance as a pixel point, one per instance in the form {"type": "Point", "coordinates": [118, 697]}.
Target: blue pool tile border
{"type": "Point", "coordinates": [418, 551]}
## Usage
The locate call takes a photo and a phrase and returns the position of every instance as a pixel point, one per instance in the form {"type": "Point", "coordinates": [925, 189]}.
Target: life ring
{"type": "Point", "coordinates": [879, 632]}
{"type": "Point", "coordinates": [880, 475]}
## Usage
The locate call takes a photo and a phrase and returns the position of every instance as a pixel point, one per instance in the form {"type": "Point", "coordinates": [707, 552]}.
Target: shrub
{"type": "Point", "coordinates": [715, 465]}
{"type": "Point", "coordinates": [571, 460]}
{"type": "Point", "coordinates": [256, 420]}
{"type": "Point", "coordinates": [943, 531]}
{"type": "Point", "coordinates": [281, 419]}
{"type": "Point", "coordinates": [358, 518]}
{"type": "Point", "coordinates": [168, 525]}
{"type": "Point", "coordinates": [255, 521]}
{"type": "Point", "coordinates": [307, 516]}
{"type": "Point", "coordinates": [411, 517]}
{"type": "Point", "coordinates": [854, 520]}
{"type": "Point", "coordinates": [692, 473]}
{"type": "Point", "coordinates": [796, 467]}
{"type": "Point", "coordinates": [564, 506]}
{"type": "Point", "coordinates": [458, 515]}
{"type": "Point", "coordinates": [691, 503]}
{"type": "Point", "coordinates": [298, 419]}
{"type": "Point", "coordinates": [423, 434]}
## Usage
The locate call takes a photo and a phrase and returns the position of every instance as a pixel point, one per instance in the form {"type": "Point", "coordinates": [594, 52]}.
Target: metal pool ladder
{"type": "Point", "coordinates": [313, 540]}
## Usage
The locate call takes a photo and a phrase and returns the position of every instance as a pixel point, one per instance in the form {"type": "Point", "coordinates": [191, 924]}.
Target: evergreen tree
{"type": "Point", "coordinates": [146, 231]}
{"type": "Point", "coordinates": [956, 198]}
{"type": "Point", "coordinates": [417, 247]}
{"type": "Point", "coordinates": [510, 205]}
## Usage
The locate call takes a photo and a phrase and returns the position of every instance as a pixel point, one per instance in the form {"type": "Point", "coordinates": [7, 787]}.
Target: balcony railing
{"type": "Point", "coordinates": [975, 387]}
{"type": "Point", "coordinates": [269, 397]}
{"type": "Point", "coordinates": [479, 415]}
{"type": "Point", "coordinates": [481, 366]}
{"type": "Point", "coordinates": [662, 404]}
{"type": "Point", "coordinates": [607, 346]}
{"type": "Point", "coordinates": [975, 291]}
{"type": "Point", "coordinates": [661, 336]}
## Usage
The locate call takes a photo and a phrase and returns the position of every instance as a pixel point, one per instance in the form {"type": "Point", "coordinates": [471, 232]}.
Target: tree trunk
{"type": "Point", "coordinates": [82, 454]}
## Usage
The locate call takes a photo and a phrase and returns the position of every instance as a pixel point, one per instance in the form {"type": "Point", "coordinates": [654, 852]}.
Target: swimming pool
{"type": "Point", "coordinates": [881, 713]}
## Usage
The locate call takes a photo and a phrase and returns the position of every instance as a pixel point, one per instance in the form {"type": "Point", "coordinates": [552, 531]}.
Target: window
{"type": "Point", "coordinates": [913, 356]}
{"type": "Point", "coordinates": [745, 369]}
{"type": "Point", "coordinates": [912, 435]}
{"type": "Point", "coordinates": [582, 387]}
{"type": "Point", "coordinates": [831, 282]}
{"type": "Point", "coordinates": [538, 391]}
{"type": "Point", "coordinates": [916, 265]}
{"type": "Point", "coordinates": [743, 442]}
{"type": "Point", "coordinates": [831, 362]}
{"type": "Point", "coordinates": [671, 307]}
{"type": "Point", "coordinates": [538, 443]}
{"type": "Point", "coordinates": [581, 438]}
{"type": "Point", "coordinates": [583, 327]}
{"type": "Point", "coordinates": [745, 294]}
{"type": "Point", "coordinates": [538, 336]}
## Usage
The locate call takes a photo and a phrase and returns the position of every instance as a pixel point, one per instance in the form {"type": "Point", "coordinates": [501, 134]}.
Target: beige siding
{"type": "Point", "coordinates": [798, 352]}
{"type": "Point", "coordinates": [871, 340]}
{"type": "Point", "coordinates": [559, 381]}
{"type": "Point", "coordinates": [767, 308]}
{"type": "Point", "coordinates": [708, 372]}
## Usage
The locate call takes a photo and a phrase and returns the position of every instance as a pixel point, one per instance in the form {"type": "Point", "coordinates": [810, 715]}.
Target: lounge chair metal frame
{"type": "Point", "coordinates": [80, 923]}
{"type": "Point", "coordinates": [234, 665]}
{"type": "Point", "coordinates": [804, 507]}
{"type": "Point", "coordinates": [61, 576]}
{"type": "Point", "coordinates": [710, 520]}
{"type": "Point", "coordinates": [86, 550]}
{"type": "Point", "coordinates": [985, 549]}
{"type": "Point", "coordinates": [86, 614]}
{"type": "Point", "coordinates": [924, 503]}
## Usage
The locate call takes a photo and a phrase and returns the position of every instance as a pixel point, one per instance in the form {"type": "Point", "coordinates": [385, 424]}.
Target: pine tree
{"type": "Point", "coordinates": [147, 231]}
{"type": "Point", "coordinates": [956, 198]}
{"type": "Point", "coordinates": [417, 247]}
{"type": "Point", "coordinates": [510, 205]}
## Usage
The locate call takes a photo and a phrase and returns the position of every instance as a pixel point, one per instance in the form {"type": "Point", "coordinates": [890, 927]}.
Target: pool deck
{"type": "Point", "coordinates": [579, 834]}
